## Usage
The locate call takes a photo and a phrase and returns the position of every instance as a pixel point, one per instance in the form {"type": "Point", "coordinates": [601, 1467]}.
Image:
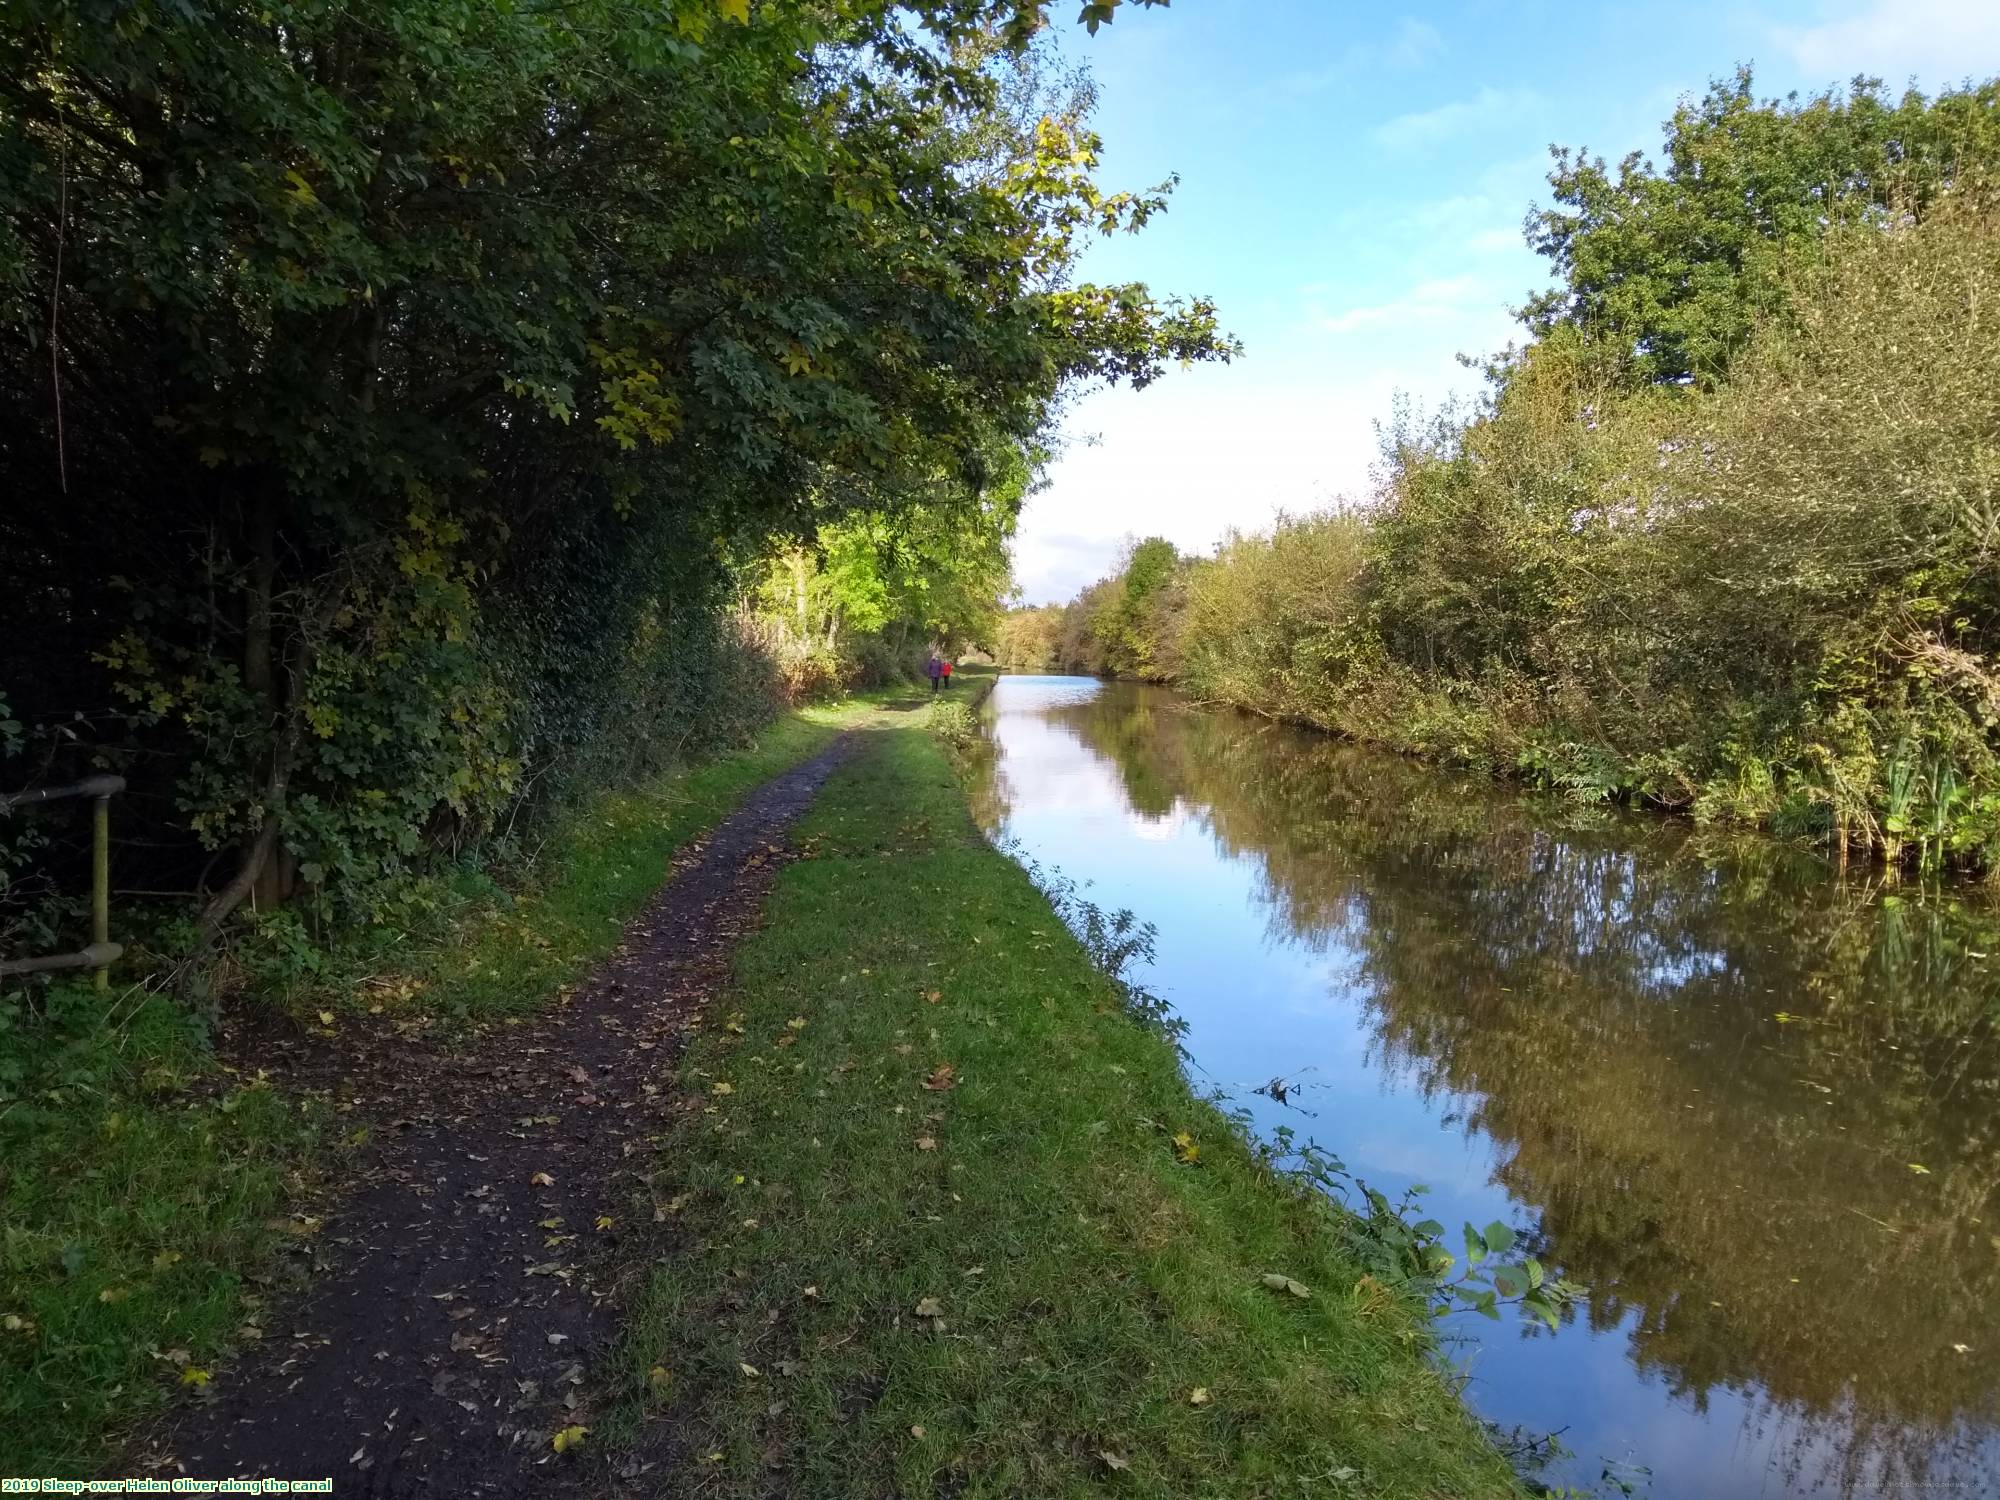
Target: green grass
{"type": "Point", "coordinates": [136, 1182]}
{"type": "Point", "coordinates": [145, 1192]}
{"type": "Point", "coordinates": [1090, 1281]}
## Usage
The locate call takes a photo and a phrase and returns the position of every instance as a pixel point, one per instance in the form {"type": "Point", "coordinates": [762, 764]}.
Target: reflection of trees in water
{"type": "Point", "coordinates": [1605, 997]}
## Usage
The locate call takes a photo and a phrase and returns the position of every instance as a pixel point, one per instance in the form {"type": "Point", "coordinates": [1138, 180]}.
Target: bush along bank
{"type": "Point", "coordinates": [158, 1189]}
{"type": "Point", "coordinates": [950, 1221]}
{"type": "Point", "coordinates": [1719, 540]}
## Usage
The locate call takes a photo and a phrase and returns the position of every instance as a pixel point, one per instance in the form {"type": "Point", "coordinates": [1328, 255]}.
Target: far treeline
{"type": "Point", "coordinates": [425, 413]}
{"type": "Point", "coordinates": [1723, 536]}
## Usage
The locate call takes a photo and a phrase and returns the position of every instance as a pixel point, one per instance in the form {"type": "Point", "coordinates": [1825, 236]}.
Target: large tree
{"type": "Point", "coordinates": [1668, 267]}
{"type": "Point", "coordinates": [328, 330]}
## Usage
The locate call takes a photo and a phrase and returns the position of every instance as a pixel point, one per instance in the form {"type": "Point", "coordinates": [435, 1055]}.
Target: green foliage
{"type": "Point", "coordinates": [952, 722]}
{"type": "Point", "coordinates": [442, 364]}
{"type": "Point", "coordinates": [1669, 269]}
{"type": "Point", "coordinates": [1770, 601]}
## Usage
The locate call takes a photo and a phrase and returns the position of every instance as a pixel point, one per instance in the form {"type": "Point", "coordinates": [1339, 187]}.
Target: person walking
{"type": "Point", "coordinates": [934, 670]}
{"type": "Point", "coordinates": [944, 671]}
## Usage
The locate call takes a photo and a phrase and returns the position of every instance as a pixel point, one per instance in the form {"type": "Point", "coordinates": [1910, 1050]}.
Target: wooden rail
{"type": "Point", "coordinates": [101, 952]}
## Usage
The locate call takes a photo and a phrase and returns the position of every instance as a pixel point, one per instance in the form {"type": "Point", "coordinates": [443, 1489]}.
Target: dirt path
{"type": "Point", "coordinates": [467, 1293]}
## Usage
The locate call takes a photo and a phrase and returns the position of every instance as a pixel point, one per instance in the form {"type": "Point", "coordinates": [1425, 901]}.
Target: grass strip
{"type": "Point", "coordinates": [145, 1190]}
{"type": "Point", "coordinates": [937, 1237]}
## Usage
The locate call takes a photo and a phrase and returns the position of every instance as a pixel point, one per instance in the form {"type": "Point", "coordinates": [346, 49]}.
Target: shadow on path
{"type": "Point", "coordinates": [466, 1288]}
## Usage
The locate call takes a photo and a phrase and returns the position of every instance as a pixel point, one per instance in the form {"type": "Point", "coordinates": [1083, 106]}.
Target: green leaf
{"type": "Point", "coordinates": [1499, 1238]}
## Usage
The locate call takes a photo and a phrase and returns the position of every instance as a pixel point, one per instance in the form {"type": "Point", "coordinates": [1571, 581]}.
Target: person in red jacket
{"type": "Point", "coordinates": [944, 668]}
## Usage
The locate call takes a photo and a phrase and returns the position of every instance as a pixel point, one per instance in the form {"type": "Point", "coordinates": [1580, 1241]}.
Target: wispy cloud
{"type": "Point", "coordinates": [1413, 44]}
{"type": "Point", "coordinates": [1430, 127]}
{"type": "Point", "coordinates": [1938, 40]}
{"type": "Point", "coordinates": [1442, 299]}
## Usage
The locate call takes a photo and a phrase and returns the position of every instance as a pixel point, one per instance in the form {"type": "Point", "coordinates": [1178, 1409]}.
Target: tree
{"type": "Point", "coordinates": [339, 335]}
{"type": "Point", "coordinates": [1667, 270]}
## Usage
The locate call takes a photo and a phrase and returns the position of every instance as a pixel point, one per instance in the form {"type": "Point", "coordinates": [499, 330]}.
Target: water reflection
{"type": "Point", "coordinates": [1754, 1107]}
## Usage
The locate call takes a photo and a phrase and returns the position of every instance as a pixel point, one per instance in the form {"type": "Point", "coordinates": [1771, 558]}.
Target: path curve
{"type": "Point", "coordinates": [455, 1327]}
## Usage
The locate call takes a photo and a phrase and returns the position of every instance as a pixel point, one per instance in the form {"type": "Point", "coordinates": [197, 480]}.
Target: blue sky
{"type": "Point", "coordinates": [1353, 180]}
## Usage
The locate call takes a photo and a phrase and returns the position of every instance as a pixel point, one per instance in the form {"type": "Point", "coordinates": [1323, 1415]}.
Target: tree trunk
{"type": "Point", "coordinates": [267, 873]}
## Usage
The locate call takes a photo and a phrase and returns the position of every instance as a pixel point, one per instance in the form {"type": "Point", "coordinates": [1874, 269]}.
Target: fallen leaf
{"type": "Point", "coordinates": [1279, 1283]}
{"type": "Point", "coordinates": [658, 1378]}
{"type": "Point", "coordinates": [1198, 1396]}
{"type": "Point", "coordinates": [1961, 1348]}
{"type": "Point", "coordinates": [926, 1143]}
{"type": "Point", "coordinates": [917, 1430]}
{"type": "Point", "coordinates": [1114, 1462]}
{"type": "Point", "coordinates": [113, 1294]}
{"type": "Point", "coordinates": [568, 1438]}
{"type": "Point", "coordinates": [797, 1023]}
{"type": "Point", "coordinates": [943, 1077]}
{"type": "Point", "coordinates": [933, 996]}
{"type": "Point", "coordinates": [750, 1372]}
{"type": "Point", "coordinates": [1920, 1169]}
{"type": "Point", "coordinates": [542, 1179]}
{"type": "Point", "coordinates": [165, 1258]}
{"type": "Point", "coordinates": [723, 1088]}
{"type": "Point", "coordinates": [326, 1018]}
{"type": "Point", "coordinates": [604, 1221]}
{"type": "Point", "coordinates": [195, 1375]}
{"type": "Point", "coordinates": [930, 1307]}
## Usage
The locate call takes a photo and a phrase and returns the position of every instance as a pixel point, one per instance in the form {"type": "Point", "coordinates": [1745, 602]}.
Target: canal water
{"type": "Point", "coordinates": [1753, 1105]}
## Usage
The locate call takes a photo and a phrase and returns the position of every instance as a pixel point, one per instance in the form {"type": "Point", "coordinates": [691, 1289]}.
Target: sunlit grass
{"type": "Point", "coordinates": [1090, 1283]}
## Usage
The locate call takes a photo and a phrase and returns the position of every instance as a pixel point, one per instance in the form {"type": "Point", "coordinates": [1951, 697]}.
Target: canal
{"type": "Point", "coordinates": [1751, 1103]}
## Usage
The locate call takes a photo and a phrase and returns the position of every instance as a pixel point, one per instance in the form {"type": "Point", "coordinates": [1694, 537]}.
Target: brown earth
{"type": "Point", "coordinates": [464, 1296]}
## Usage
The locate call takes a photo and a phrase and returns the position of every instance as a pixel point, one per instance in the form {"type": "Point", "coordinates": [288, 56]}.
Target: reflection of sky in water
{"type": "Point", "coordinates": [1261, 1003]}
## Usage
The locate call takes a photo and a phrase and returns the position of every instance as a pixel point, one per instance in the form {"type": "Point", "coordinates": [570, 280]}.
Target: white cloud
{"type": "Point", "coordinates": [1192, 457]}
{"type": "Point", "coordinates": [1939, 41]}
{"type": "Point", "coordinates": [1413, 45]}
{"type": "Point", "coordinates": [1431, 127]}
{"type": "Point", "coordinates": [1443, 299]}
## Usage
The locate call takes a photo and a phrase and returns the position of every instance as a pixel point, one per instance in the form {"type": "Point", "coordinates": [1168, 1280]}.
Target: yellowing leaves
{"type": "Point", "coordinates": [734, 10]}
{"type": "Point", "coordinates": [1199, 1396]}
{"type": "Point", "coordinates": [1185, 1149]}
{"type": "Point", "coordinates": [604, 1221]}
{"type": "Point", "coordinates": [195, 1375]}
{"type": "Point", "coordinates": [568, 1438]}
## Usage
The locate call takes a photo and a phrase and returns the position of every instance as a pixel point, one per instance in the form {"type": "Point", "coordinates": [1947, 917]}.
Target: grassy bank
{"type": "Point", "coordinates": [146, 1191]}
{"type": "Point", "coordinates": [935, 1234]}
